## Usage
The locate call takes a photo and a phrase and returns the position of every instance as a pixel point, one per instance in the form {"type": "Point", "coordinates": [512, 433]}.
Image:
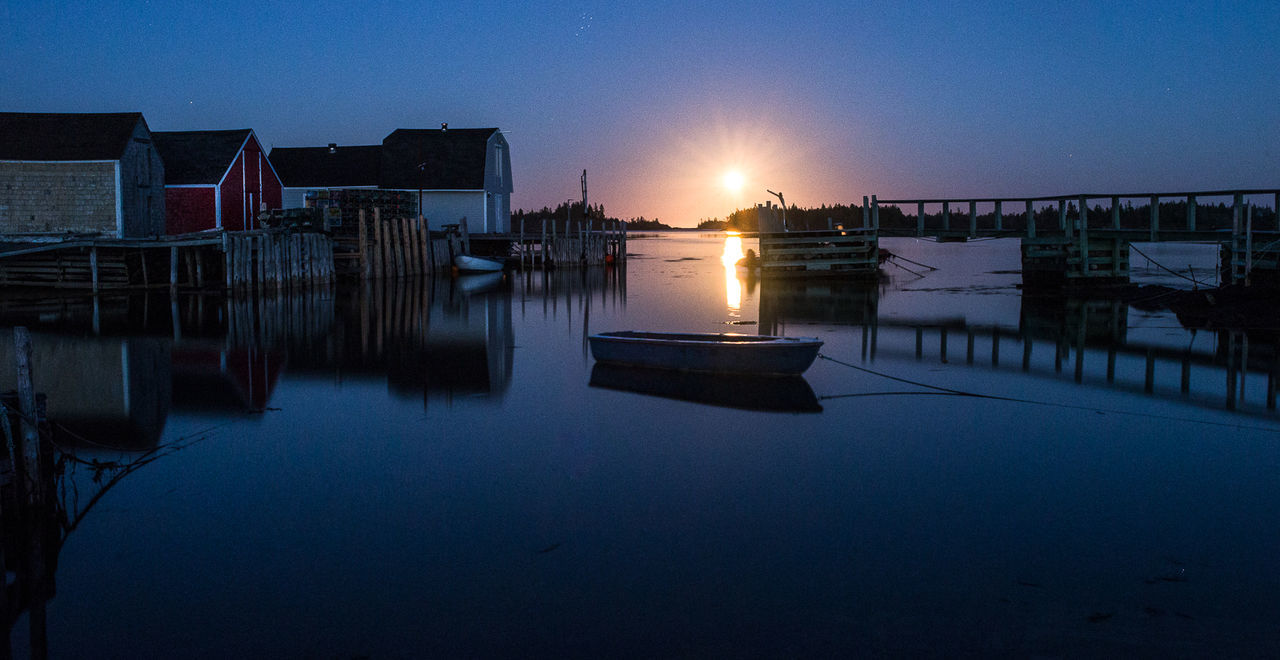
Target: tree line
{"type": "Point", "coordinates": [532, 221]}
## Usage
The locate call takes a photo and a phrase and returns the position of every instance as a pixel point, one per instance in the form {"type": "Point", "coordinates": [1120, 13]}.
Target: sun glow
{"type": "Point", "coordinates": [733, 181]}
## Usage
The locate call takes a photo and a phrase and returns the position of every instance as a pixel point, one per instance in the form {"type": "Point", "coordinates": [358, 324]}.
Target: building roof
{"type": "Point", "coordinates": [195, 157]}
{"type": "Point", "coordinates": [57, 136]}
{"type": "Point", "coordinates": [435, 159]}
{"type": "Point", "coordinates": [326, 167]}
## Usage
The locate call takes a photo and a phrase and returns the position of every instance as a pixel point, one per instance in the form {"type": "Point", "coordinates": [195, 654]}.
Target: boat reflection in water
{"type": "Point", "coordinates": [762, 393]}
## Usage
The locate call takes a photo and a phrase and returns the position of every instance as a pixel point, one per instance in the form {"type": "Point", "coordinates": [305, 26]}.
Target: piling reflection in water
{"type": "Point", "coordinates": [1085, 338]}
{"type": "Point", "coordinates": [834, 301]}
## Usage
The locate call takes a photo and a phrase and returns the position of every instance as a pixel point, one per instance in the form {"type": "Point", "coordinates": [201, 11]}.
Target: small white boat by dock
{"type": "Point", "coordinates": [722, 353]}
{"type": "Point", "coordinates": [466, 263]}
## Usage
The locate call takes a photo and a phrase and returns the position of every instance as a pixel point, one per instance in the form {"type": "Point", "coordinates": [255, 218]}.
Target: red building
{"type": "Point", "coordinates": [215, 180]}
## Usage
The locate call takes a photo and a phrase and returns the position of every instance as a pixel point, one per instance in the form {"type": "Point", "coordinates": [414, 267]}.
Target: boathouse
{"type": "Point", "coordinates": [307, 171]}
{"type": "Point", "coordinates": [459, 172]}
{"type": "Point", "coordinates": [448, 174]}
{"type": "Point", "coordinates": [96, 174]}
{"type": "Point", "coordinates": [216, 180]}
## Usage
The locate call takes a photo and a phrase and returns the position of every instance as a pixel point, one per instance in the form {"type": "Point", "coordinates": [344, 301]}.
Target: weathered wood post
{"type": "Point", "coordinates": [875, 213]}
{"type": "Point", "coordinates": [973, 218]}
{"type": "Point", "coordinates": [1155, 217]}
{"type": "Point", "coordinates": [946, 216]}
{"type": "Point", "coordinates": [1031, 219]}
{"type": "Point", "coordinates": [376, 256]}
{"type": "Point", "coordinates": [1248, 244]}
{"type": "Point", "coordinates": [173, 268]}
{"type": "Point", "coordinates": [999, 216]}
{"type": "Point", "coordinates": [1084, 242]}
{"type": "Point", "coordinates": [93, 266]}
{"type": "Point", "coordinates": [866, 212]}
{"type": "Point", "coordinates": [1191, 212]}
{"type": "Point", "coordinates": [1062, 217]}
{"type": "Point", "coordinates": [26, 399]}
{"type": "Point", "coordinates": [1115, 212]}
{"type": "Point", "coordinates": [919, 218]}
{"type": "Point", "coordinates": [362, 244]}
{"type": "Point", "coordinates": [226, 254]}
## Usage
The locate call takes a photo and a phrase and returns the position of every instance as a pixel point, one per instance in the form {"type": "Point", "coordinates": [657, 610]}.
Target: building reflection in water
{"type": "Point", "coordinates": [55, 472]}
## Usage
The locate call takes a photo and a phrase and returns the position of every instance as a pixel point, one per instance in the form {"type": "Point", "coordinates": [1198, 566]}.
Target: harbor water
{"type": "Point", "coordinates": [439, 469]}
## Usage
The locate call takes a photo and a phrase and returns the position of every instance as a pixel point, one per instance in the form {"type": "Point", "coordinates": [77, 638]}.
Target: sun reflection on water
{"type": "Point", "coordinates": [732, 287]}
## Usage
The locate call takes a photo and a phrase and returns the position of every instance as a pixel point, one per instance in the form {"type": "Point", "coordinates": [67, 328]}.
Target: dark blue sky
{"type": "Point", "coordinates": [826, 102]}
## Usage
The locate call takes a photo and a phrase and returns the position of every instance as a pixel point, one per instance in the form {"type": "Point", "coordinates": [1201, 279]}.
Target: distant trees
{"type": "Point", "coordinates": [532, 221]}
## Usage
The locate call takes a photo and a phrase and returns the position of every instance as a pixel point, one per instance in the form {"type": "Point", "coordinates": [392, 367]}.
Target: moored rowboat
{"type": "Point", "coordinates": [725, 352]}
{"type": "Point", "coordinates": [469, 264]}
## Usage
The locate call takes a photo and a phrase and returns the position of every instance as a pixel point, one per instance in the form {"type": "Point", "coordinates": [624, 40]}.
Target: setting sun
{"type": "Point", "coordinates": [732, 181]}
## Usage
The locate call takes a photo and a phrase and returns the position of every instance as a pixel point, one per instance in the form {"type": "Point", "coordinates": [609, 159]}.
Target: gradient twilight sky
{"type": "Point", "coordinates": [826, 102]}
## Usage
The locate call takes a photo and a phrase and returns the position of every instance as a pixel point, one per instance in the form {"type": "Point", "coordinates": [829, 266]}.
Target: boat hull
{"type": "Point", "coordinates": [719, 353]}
{"type": "Point", "coordinates": [469, 264]}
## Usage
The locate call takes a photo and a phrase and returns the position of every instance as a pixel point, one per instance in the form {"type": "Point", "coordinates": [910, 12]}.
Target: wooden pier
{"type": "Point", "coordinates": [833, 252]}
{"type": "Point", "coordinates": [1064, 240]}
{"type": "Point", "coordinates": [261, 260]}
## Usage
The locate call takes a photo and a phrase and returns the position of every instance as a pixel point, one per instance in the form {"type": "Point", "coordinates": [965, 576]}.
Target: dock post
{"type": "Point", "coordinates": [27, 401]}
{"type": "Point", "coordinates": [1031, 219]}
{"type": "Point", "coordinates": [1115, 212]}
{"type": "Point", "coordinates": [1084, 241]}
{"type": "Point", "coordinates": [1191, 212]}
{"type": "Point", "coordinates": [93, 267]}
{"type": "Point", "coordinates": [377, 243]}
{"type": "Point", "coordinates": [1155, 217]}
{"type": "Point", "coordinates": [919, 218]}
{"type": "Point", "coordinates": [946, 215]}
{"type": "Point", "coordinates": [866, 212]}
{"type": "Point", "coordinates": [362, 245]}
{"type": "Point", "coordinates": [1062, 217]}
{"type": "Point", "coordinates": [1248, 243]}
{"type": "Point", "coordinates": [875, 213]}
{"type": "Point", "coordinates": [999, 217]}
{"type": "Point", "coordinates": [173, 268]}
{"type": "Point", "coordinates": [973, 219]}
{"type": "Point", "coordinates": [542, 245]}
{"type": "Point", "coordinates": [226, 256]}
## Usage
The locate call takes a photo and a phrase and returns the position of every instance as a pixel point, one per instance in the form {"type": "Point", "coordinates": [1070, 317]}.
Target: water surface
{"type": "Point", "coordinates": [424, 469]}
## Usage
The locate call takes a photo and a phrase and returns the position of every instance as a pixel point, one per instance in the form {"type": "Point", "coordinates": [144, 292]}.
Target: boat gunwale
{"type": "Point", "coordinates": [705, 338]}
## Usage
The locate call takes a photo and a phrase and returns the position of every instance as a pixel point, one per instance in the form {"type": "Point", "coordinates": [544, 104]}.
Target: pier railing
{"type": "Point", "coordinates": [1074, 215]}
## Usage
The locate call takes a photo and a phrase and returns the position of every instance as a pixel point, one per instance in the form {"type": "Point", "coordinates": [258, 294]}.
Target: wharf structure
{"type": "Point", "coordinates": [1067, 242]}
{"type": "Point", "coordinates": [98, 202]}
{"type": "Point", "coordinates": [1064, 241]}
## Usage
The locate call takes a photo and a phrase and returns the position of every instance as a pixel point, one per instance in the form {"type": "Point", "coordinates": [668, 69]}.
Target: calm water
{"type": "Point", "coordinates": [434, 470]}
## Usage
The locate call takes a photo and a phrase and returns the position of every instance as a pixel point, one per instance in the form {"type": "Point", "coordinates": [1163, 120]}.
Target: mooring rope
{"type": "Point", "coordinates": [1162, 267]}
{"type": "Point", "coordinates": [993, 397]}
{"type": "Point", "coordinates": [898, 256]}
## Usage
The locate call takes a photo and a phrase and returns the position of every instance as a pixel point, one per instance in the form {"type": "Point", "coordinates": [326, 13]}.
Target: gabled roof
{"type": "Point", "coordinates": [57, 136]}
{"type": "Point", "coordinates": [194, 157]}
{"type": "Point", "coordinates": [435, 159]}
{"type": "Point", "coordinates": [307, 167]}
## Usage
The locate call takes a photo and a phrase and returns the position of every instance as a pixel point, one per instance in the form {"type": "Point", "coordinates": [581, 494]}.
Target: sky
{"type": "Point", "coordinates": [824, 102]}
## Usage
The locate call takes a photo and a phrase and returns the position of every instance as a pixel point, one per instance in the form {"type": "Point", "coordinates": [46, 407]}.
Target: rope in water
{"type": "Point", "coordinates": [1162, 267]}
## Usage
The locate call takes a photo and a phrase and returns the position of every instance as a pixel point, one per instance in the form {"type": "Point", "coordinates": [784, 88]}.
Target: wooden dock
{"type": "Point", "coordinates": [1064, 240]}
{"type": "Point", "coordinates": [832, 252]}
{"type": "Point", "coordinates": [260, 260]}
